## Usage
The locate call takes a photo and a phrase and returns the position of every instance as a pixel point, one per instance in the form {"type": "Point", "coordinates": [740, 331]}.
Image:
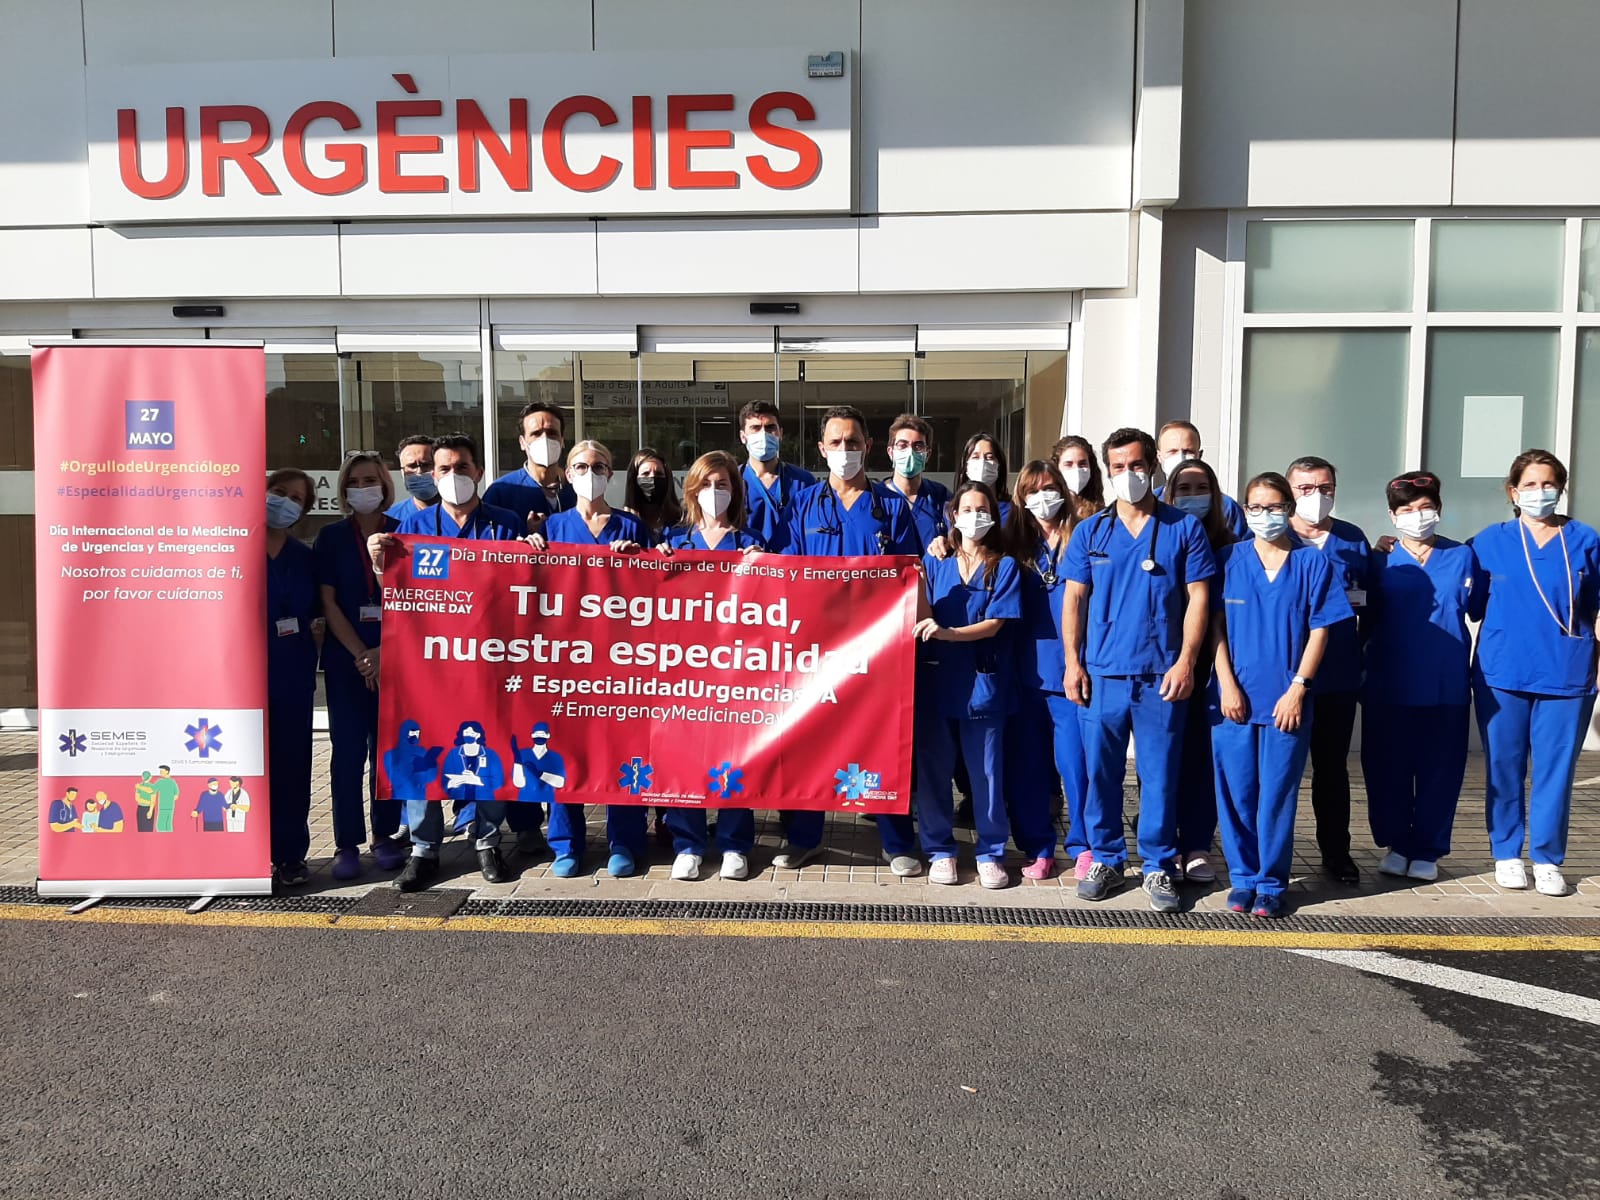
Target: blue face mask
{"type": "Point", "coordinates": [1196, 506]}
{"type": "Point", "coordinates": [422, 487]}
{"type": "Point", "coordinates": [763, 446]}
{"type": "Point", "coordinates": [1270, 526]}
{"type": "Point", "coordinates": [282, 512]}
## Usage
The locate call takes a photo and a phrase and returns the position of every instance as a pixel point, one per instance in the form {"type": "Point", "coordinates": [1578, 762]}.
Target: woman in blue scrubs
{"type": "Point", "coordinates": [1192, 486]}
{"type": "Point", "coordinates": [291, 672]}
{"type": "Point", "coordinates": [1074, 458]}
{"type": "Point", "coordinates": [1043, 737]}
{"type": "Point", "coordinates": [984, 461]}
{"type": "Point", "coordinates": [1269, 627]}
{"type": "Point", "coordinates": [713, 507]}
{"type": "Point", "coordinates": [593, 522]}
{"type": "Point", "coordinates": [351, 596]}
{"type": "Point", "coordinates": [1414, 712]}
{"type": "Point", "coordinates": [1533, 680]}
{"type": "Point", "coordinates": [964, 686]}
{"type": "Point", "coordinates": [650, 494]}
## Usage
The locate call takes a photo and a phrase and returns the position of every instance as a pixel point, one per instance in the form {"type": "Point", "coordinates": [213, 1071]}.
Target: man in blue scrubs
{"type": "Point", "coordinates": [848, 514]}
{"type": "Point", "coordinates": [770, 484]}
{"type": "Point", "coordinates": [415, 457]}
{"type": "Point", "coordinates": [64, 813]}
{"type": "Point", "coordinates": [1179, 441]}
{"type": "Point", "coordinates": [910, 443]}
{"type": "Point", "coordinates": [1132, 624]}
{"type": "Point", "coordinates": [539, 487]}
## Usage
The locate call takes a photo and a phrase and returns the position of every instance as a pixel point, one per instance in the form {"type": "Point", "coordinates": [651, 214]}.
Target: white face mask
{"type": "Point", "coordinates": [1169, 462]}
{"type": "Point", "coordinates": [845, 464]}
{"type": "Point", "coordinates": [365, 499]}
{"type": "Point", "coordinates": [1045, 504]}
{"type": "Point", "coordinates": [1313, 509]}
{"type": "Point", "coordinates": [1077, 478]}
{"type": "Point", "coordinates": [1417, 525]}
{"type": "Point", "coordinates": [983, 470]}
{"type": "Point", "coordinates": [469, 749]}
{"type": "Point", "coordinates": [1131, 486]}
{"type": "Point", "coordinates": [457, 487]}
{"type": "Point", "coordinates": [974, 524]}
{"type": "Point", "coordinates": [1537, 501]}
{"type": "Point", "coordinates": [544, 450]}
{"type": "Point", "coordinates": [591, 485]}
{"type": "Point", "coordinates": [714, 501]}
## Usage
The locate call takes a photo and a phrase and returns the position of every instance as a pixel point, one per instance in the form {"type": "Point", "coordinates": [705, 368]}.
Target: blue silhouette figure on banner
{"type": "Point", "coordinates": [472, 772]}
{"type": "Point", "coordinates": [412, 769]}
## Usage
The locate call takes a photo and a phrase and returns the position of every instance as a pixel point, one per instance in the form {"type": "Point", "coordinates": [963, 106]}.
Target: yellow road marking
{"type": "Point", "coordinates": [1276, 939]}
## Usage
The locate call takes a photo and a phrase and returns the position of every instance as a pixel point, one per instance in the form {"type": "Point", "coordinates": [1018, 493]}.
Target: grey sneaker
{"type": "Point", "coordinates": [1100, 882]}
{"type": "Point", "coordinates": [794, 857]}
{"type": "Point", "coordinates": [1163, 896]}
{"type": "Point", "coordinates": [904, 865]}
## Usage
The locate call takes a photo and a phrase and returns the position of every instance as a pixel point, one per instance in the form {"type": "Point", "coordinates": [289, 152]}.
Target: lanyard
{"type": "Point", "coordinates": [1570, 625]}
{"type": "Point", "coordinates": [365, 571]}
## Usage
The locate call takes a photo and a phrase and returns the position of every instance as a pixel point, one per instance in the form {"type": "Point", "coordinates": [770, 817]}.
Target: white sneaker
{"type": "Point", "coordinates": [943, 871]}
{"type": "Point", "coordinates": [1422, 869]}
{"type": "Point", "coordinates": [1510, 873]}
{"type": "Point", "coordinates": [734, 866]}
{"type": "Point", "coordinates": [1549, 880]}
{"type": "Point", "coordinates": [992, 875]}
{"type": "Point", "coordinates": [795, 857]}
{"type": "Point", "coordinates": [1392, 863]}
{"type": "Point", "coordinates": [686, 866]}
{"type": "Point", "coordinates": [903, 865]}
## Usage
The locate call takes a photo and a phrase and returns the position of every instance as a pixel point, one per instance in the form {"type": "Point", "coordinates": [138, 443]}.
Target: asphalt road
{"type": "Point", "coordinates": [205, 1062]}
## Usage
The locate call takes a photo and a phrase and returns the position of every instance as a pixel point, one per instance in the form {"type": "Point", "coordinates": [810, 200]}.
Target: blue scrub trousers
{"type": "Point", "coordinates": [736, 830]}
{"type": "Point", "coordinates": [427, 825]}
{"type": "Point", "coordinates": [1414, 759]}
{"type": "Point", "coordinates": [1030, 774]}
{"type": "Point", "coordinates": [982, 741]}
{"type": "Point", "coordinates": [1258, 770]}
{"type": "Point", "coordinates": [1073, 770]}
{"type": "Point", "coordinates": [1197, 785]}
{"type": "Point", "coordinates": [353, 758]}
{"type": "Point", "coordinates": [1120, 705]}
{"type": "Point", "coordinates": [289, 765]}
{"type": "Point", "coordinates": [1552, 727]}
{"type": "Point", "coordinates": [627, 827]}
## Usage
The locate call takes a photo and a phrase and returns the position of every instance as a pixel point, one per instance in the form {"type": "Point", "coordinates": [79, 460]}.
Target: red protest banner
{"type": "Point", "coordinates": [700, 679]}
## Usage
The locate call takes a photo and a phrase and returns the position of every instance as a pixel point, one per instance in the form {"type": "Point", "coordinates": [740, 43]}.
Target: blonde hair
{"type": "Point", "coordinates": [590, 444]}
{"type": "Point", "coordinates": [356, 460]}
{"type": "Point", "coordinates": [715, 460]}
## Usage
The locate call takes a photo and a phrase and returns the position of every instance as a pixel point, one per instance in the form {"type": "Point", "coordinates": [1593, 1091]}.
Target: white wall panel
{"type": "Point", "coordinates": [203, 261]}
{"type": "Point", "coordinates": [460, 27]}
{"type": "Point", "coordinates": [154, 31]}
{"type": "Point", "coordinates": [438, 259]}
{"type": "Point", "coordinates": [994, 252]}
{"type": "Point", "coordinates": [45, 264]}
{"type": "Point", "coordinates": [44, 178]}
{"type": "Point", "coordinates": [1305, 102]}
{"type": "Point", "coordinates": [764, 258]}
{"type": "Point", "coordinates": [822, 25]}
{"type": "Point", "coordinates": [1002, 106]}
{"type": "Point", "coordinates": [1526, 102]}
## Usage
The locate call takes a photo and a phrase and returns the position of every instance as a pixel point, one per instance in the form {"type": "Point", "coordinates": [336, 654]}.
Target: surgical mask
{"type": "Point", "coordinates": [1169, 463]}
{"type": "Point", "coordinates": [714, 501]}
{"type": "Point", "coordinates": [544, 450]}
{"type": "Point", "coordinates": [1313, 509]}
{"type": "Point", "coordinates": [1196, 506]}
{"type": "Point", "coordinates": [470, 747]}
{"type": "Point", "coordinates": [649, 486]}
{"type": "Point", "coordinates": [422, 487]}
{"type": "Point", "coordinates": [763, 446]}
{"type": "Point", "coordinates": [414, 736]}
{"type": "Point", "coordinates": [1270, 526]}
{"type": "Point", "coordinates": [541, 739]}
{"type": "Point", "coordinates": [908, 464]}
{"type": "Point", "coordinates": [974, 524]}
{"type": "Point", "coordinates": [364, 499]}
{"type": "Point", "coordinates": [1077, 478]}
{"type": "Point", "coordinates": [457, 487]}
{"type": "Point", "coordinates": [591, 485]}
{"type": "Point", "coordinates": [1418, 524]}
{"type": "Point", "coordinates": [282, 512]}
{"type": "Point", "coordinates": [1537, 501]}
{"type": "Point", "coordinates": [846, 464]}
{"type": "Point", "coordinates": [1045, 504]}
{"type": "Point", "coordinates": [983, 470]}
{"type": "Point", "coordinates": [1131, 486]}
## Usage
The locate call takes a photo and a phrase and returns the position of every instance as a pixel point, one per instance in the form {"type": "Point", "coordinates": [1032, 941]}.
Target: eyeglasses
{"type": "Point", "coordinates": [1312, 489]}
{"type": "Point", "coordinates": [586, 468]}
{"type": "Point", "coordinates": [915, 447]}
{"type": "Point", "coordinates": [1422, 479]}
{"type": "Point", "coordinates": [349, 454]}
{"type": "Point", "coordinates": [1277, 510]}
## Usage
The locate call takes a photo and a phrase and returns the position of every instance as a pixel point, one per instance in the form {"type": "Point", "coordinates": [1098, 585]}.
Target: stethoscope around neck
{"type": "Point", "coordinates": [879, 514]}
{"type": "Point", "coordinates": [1107, 520]}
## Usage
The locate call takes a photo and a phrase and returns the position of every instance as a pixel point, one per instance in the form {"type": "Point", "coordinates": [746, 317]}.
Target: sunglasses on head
{"type": "Point", "coordinates": [1422, 479]}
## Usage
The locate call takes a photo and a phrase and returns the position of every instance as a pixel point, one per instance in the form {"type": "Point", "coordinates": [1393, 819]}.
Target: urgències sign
{"type": "Point", "coordinates": [735, 131]}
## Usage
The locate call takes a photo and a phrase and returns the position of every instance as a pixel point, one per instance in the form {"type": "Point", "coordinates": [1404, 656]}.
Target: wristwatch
{"type": "Point", "coordinates": [1302, 680]}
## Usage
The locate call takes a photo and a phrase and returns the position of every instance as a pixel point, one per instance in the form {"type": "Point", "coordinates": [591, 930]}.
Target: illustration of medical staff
{"type": "Point", "coordinates": [108, 815]}
{"type": "Point", "coordinates": [238, 804]}
{"type": "Point", "coordinates": [64, 813]}
{"type": "Point", "coordinates": [144, 799]}
{"type": "Point", "coordinates": [166, 799]}
{"type": "Point", "coordinates": [211, 808]}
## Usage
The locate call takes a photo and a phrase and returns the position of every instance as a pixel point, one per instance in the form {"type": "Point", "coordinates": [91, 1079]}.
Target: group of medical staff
{"type": "Point", "coordinates": [1065, 612]}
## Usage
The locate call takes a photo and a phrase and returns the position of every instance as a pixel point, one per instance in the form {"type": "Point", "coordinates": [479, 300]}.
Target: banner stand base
{"type": "Point", "coordinates": [83, 905]}
{"type": "Point", "coordinates": [200, 905]}
{"type": "Point", "coordinates": [96, 890]}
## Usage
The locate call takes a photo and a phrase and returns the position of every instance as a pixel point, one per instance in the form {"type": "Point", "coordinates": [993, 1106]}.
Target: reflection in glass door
{"type": "Point", "coordinates": [390, 395]}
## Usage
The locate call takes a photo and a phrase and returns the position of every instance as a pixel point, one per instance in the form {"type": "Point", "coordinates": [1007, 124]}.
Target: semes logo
{"type": "Point", "coordinates": [151, 425]}
{"type": "Point", "coordinates": [75, 742]}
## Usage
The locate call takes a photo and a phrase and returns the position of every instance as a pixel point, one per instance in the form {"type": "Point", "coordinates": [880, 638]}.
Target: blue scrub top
{"type": "Point", "coordinates": [1135, 618]}
{"type": "Point", "coordinates": [1418, 648]}
{"type": "Point", "coordinates": [521, 493]}
{"type": "Point", "coordinates": [535, 790]}
{"type": "Point", "coordinates": [61, 813]}
{"type": "Point", "coordinates": [341, 560]}
{"type": "Point", "coordinates": [928, 510]}
{"type": "Point", "coordinates": [400, 508]}
{"type": "Point", "coordinates": [879, 522]}
{"type": "Point", "coordinates": [292, 592]}
{"type": "Point", "coordinates": [768, 509]}
{"type": "Point", "coordinates": [569, 528]}
{"type": "Point", "coordinates": [972, 679]}
{"type": "Point", "coordinates": [1521, 647]}
{"type": "Point", "coordinates": [1041, 657]}
{"type": "Point", "coordinates": [110, 814]}
{"type": "Point", "coordinates": [1350, 557]}
{"type": "Point", "coordinates": [684, 537]}
{"type": "Point", "coordinates": [1232, 513]}
{"type": "Point", "coordinates": [1270, 621]}
{"type": "Point", "coordinates": [485, 523]}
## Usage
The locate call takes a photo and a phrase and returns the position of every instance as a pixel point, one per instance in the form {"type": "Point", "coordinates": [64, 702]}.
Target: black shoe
{"type": "Point", "coordinates": [531, 842]}
{"type": "Point", "coordinates": [494, 871]}
{"type": "Point", "coordinates": [417, 874]}
{"type": "Point", "coordinates": [1339, 865]}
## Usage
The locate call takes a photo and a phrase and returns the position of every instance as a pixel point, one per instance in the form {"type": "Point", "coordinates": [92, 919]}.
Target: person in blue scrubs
{"type": "Point", "coordinates": [1533, 677]}
{"type": "Point", "coordinates": [965, 691]}
{"type": "Point", "coordinates": [1193, 487]}
{"type": "Point", "coordinates": [457, 474]}
{"type": "Point", "coordinates": [593, 522]}
{"type": "Point", "coordinates": [650, 494]}
{"type": "Point", "coordinates": [1273, 607]}
{"type": "Point", "coordinates": [1315, 483]}
{"type": "Point", "coordinates": [849, 514]}
{"type": "Point", "coordinates": [537, 488]}
{"type": "Point", "coordinates": [1414, 711]}
{"type": "Point", "coordinates": [1132, 624]}
{"type": "Point", "coordinates": [713, 505]}
{"type": "Point", "coordinates": [415, 456]}
{"type": "Point", "coordinates": [1179, 442]}
{"type": "Point", "coordinates": [1044, 739]}
{"type": "Point", "coordinates": [64, 816]}
{"type": "Point", "coordinates": [771, 485]}
{"type": "Point", "coordinates": [1080, 470]}
{"type": "Point", "coordinates": [984, 461]}
{"type": "Point", "coordinates": [351, 596]}
{"type": "Point", "coordinates": [292, 606]}
{"type": "Point", "coordinates": [537, 772]}
{"type": "Point", "coordinates": [910, 443]}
